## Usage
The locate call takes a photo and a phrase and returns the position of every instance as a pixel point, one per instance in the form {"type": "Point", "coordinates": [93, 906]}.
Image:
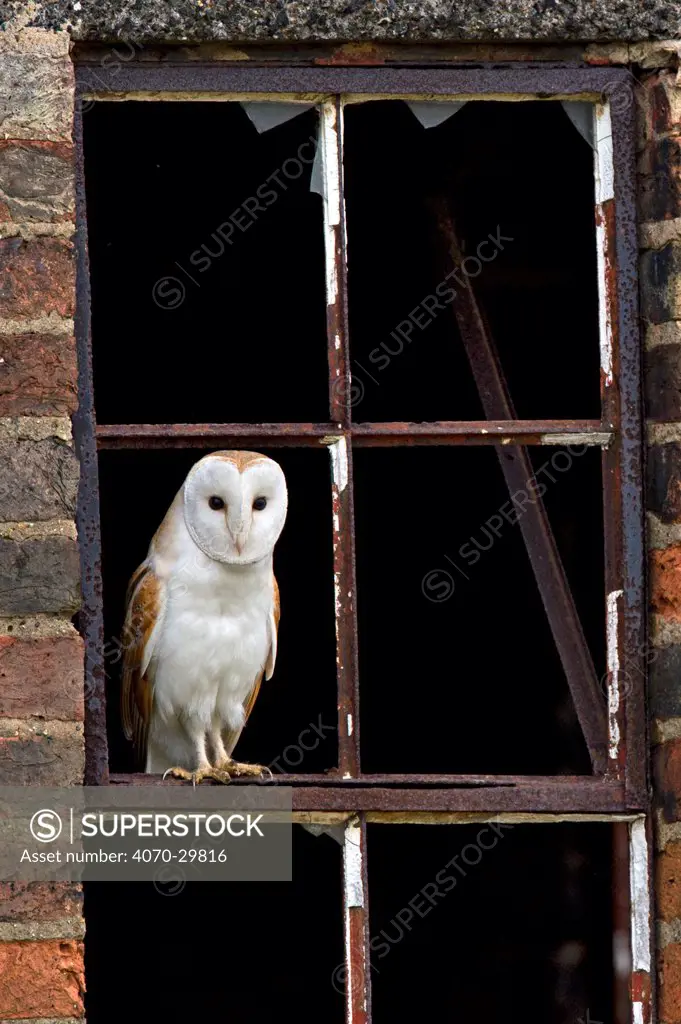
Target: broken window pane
{"type": "Point", "coordinates": [519, 179]}
{"type": "Point", "coordinates": [207, 265]}
{"type": "Point", "coordinates": [491, 922]}
{"type": "Point", "coordinates": [459, 671]}
{"type": "Point", "coordinates": [207, 951]}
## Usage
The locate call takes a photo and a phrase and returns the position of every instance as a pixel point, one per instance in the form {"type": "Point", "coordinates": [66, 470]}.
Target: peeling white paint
{"type": "Point", "coordinates": [595, 439]}
{"type": "Point", "coordinates": [331, 193]}
{"type": "Point", "coordinates": [613, 662]}
{"type": "Point", "coordinates": [611, 630]}
{"type": "Point", "coordinates": [604, 167]}
{"type": "Point", "coordinates": [604, 190]}
{"type": "Point", "coordinates": [338, 601]}
{"type": "Point", "coordinates": [637, 1012]}
{"type": "Point", "coordinates": [350, 726]}
{"type": "Point", "coordinates": [348, 971]}
{"type": "Point", "coordinates": [352, 865]}
{"type": "Point", "coordinates": [640, 896]}
{"type": "Point", "coordinates": [604, 324]}
{"type": "Point", "coordinates": [337, 342]}
{"type": "Point", "coordinates": [339, 463]}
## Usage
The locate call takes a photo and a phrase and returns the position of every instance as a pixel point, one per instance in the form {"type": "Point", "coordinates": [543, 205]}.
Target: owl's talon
{"type": "Point", "coordinates": [240, 770]}
{"type": "Point", "coordinates": [193, 777]}
{"type": "Point", "coordinates": [223, 772]}
{"type": "Point", "coordinates": [179, 773]}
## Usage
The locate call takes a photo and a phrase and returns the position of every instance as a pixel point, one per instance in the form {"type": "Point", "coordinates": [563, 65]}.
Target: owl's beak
{"type": "Point", "coordinates": [240, 541]}
{"type": "Point", "coordinates": [241, 527]}
{"type": "Point", "coordinates": [239, 534]}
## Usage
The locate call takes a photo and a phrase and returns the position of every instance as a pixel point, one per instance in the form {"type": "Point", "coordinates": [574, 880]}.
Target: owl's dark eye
{"type": "Point", "coordinates": [259, 504]}
{"type": "Point", "coordinates": [216, 503]}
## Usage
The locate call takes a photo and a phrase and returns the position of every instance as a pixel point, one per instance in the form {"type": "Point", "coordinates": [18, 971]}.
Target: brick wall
{"type": "Point", "coordinates": [41, 657]}
{"type": "Point", "coordinates": [660, 242]}
{"type": "Point", "coordinates": [41, 654]}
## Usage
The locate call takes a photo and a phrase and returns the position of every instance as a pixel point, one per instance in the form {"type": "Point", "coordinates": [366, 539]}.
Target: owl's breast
{"type": "Point", "coordinates": [210, 652]}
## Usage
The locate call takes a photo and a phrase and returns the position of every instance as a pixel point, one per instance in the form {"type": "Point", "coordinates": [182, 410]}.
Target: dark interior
{"type": "Point", "coordinates": [471, 683]}
{"type": "Point", "coordinates": [194, 314]}
{"type": "Point", "coordinates": [215, 951]}
{"type": "Point", "coordinates": [302, 692]}
{"type": "Point", "coordinates": [483, 920]}
{"type": "Point", "coordinates": [459, 671]}
{"type": "Point", "coordinates": [521, 168]}
{"type": "Point", "coordinates": [233, 332]}
{"type": "Point", "coordinates": [521, 932]}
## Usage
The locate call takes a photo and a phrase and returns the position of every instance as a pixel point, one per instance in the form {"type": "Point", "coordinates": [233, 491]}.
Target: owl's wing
{"type": "Point", "coordinates": [231, 737]}
{"type": "Point", "coordinates": [143, 622]}
{"type": "Point", "coordinates": [273, 629]}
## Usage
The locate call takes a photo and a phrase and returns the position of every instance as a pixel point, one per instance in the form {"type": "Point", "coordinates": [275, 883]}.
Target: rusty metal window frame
{"type": "Point", "coordinates": [618, 785]}
{"type": "Point", "coordinates": [617, 795]}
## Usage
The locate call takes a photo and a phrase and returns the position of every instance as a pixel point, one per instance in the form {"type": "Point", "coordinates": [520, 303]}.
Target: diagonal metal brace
{"type": "Point", "coordinates": [534, 523]}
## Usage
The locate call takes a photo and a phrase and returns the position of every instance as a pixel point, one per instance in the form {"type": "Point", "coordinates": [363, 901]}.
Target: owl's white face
{"type": "Point", "coordinates": [235, 506]}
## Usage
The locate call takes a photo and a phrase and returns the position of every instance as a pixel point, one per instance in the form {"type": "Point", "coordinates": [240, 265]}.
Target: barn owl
{"type": "Point", "coordinates": [202, 619]}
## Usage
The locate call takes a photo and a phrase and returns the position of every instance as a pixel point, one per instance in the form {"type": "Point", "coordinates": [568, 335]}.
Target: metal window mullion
{"type": "Point", "coordinates": [628, 388]}
{"type": "Point", "coordinates": [330, 140]}
{"type": "Point", "coordinates": [640, 893]}
{"type": "Point", "coordinates": [616, 251]}
{"type": "Point", "coordinates": [604, 215]}
{"type": "Point", "coordinates": [356, 923]}
{"type": "Point", "coordinates": [485, 432]}
{"type": "Point", "coordinates": [91, 624]}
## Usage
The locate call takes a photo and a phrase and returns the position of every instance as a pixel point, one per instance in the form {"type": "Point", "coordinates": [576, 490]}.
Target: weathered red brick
{"type": "Point", "coordinates": [39, 575]}
{"type": "Point", "coordinates": [37, 86]}
{"type": "Point", "coordinates": [668, 882]}
{"type": "Point", "coordinates": [664, 673]}
{"type": "Point", "coordinates": [663, 383]}
{"type": "Point", "coordinates": [663, 91]}
{"type": "Point", "coordinates": [665, 581]}
{"type": "Point", "coordinates": [42, 678]}
{"type": "Point", "coordinates": [37, 180]}
{"type": "Point", "coordinates": [41, 979]}
{"type": "Point", "coordinates": [660, 270]}
{"type": "Point", "coordinates": [36, 277]}
{"type": "Point", "coordinates": [667, 767]}
{"type": "Point", "coordinates": [37, 753]}
{"type": "Point", "coordinates": [669, 991]}
{"type": "Point", "coordinates": [38, 375]}
{"type": "Point", "coordinates": [39, 901]}
{"type": "Point", "coordinates": [664, 481]}
{"type": "Point", "coordinates": [660, 182]}
{"type": "Point", "coordinates": [39, 481]}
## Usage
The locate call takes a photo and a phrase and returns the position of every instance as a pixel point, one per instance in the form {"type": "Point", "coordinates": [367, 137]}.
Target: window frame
{"type": "Point", "coordinates": [624, 787]}
{"type": "Point", "coordinates": [348, 798]}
